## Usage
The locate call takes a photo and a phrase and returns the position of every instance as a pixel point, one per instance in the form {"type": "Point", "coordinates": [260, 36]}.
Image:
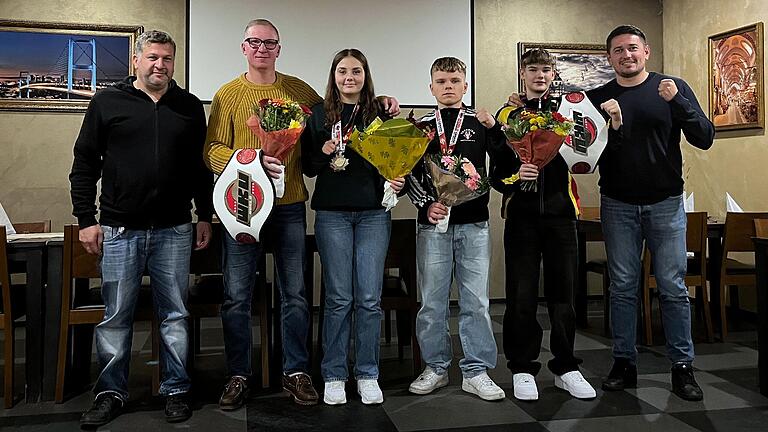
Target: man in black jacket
{"type": "Point", "coordinates": [144, 139]}
{"type": "Point", "coordinates": [641, 188]}
{"type": "Point", "coordinates": [540, 225]}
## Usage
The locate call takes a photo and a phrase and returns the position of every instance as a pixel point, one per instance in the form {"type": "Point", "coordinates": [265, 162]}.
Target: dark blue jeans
{"type": "Point", "coordinates": [285, 231]}
{"type": "Point", "coordinates": [662, 226]}
{"type": "Point", "coordinates": [165, 253]}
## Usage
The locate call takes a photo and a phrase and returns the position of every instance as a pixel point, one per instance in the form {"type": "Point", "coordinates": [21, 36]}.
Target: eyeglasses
{"type": "Point", "coordinates": [255, 43]}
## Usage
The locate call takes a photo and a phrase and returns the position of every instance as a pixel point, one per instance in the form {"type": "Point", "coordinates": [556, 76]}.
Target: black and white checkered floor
{"type": "Point", "coordinates": [727, 373]}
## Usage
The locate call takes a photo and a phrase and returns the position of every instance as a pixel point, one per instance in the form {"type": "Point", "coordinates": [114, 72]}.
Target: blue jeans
{"type": "Point", "coordinates": [284, 230]}
{"type": "Point", "coordinates": [353, 247]}
{"type": "Point", "coordinates": [126, 253]}
{"type": "Point", "coordinates": [662, 225]}
{"type": "Point", "coordinates": [462, 253]}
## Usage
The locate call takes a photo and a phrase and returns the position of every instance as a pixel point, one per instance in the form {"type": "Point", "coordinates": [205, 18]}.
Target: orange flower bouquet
{"type": "Point", "coordinates": [278, 124]}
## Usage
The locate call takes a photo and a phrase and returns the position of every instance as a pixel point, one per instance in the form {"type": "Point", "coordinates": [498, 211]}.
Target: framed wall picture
{"type": "Point", "coordinates": [59, 66]}
{"type": "Point", "coordinates": [579, 67]}
{"type": "Point", "coordinates": [736, 98]}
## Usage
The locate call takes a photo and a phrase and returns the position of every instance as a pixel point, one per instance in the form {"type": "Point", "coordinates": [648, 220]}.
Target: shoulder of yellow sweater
{"type": "Point", "coordinates": [297, 86]}
{"type": "Point", "coordinates": [233, 85]}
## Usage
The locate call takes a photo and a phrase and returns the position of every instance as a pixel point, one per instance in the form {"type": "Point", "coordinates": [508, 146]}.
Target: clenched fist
{"type": "Point", "coordinates": [485, 118]}
{"type": "Point", "coordinates": [612, 108]}
{"type": "Point", "coordinates": [667, 89]}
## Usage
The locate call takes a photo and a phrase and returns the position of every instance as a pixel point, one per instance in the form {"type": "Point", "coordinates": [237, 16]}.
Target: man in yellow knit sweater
{"type": "Point", "coordinates": [285, 229]}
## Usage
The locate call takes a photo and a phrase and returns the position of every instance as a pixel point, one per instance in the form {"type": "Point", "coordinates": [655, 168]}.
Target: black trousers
{"type": "Point", "coordinates": [527, 241]}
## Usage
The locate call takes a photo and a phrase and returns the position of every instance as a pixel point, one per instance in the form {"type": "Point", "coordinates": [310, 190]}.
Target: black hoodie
{"type": "Point", "coordinates": [148, 155]}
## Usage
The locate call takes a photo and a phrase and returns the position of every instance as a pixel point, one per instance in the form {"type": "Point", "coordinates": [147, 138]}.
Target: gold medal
{"type": "Point", "coordinates": [339, 162]}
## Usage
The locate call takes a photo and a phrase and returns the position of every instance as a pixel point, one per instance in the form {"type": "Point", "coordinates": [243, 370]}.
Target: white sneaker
{"type": "Point", "coordinates": [483, 386]}
{"type": "Point", "coordinates": [369, 391]}
{"type": "Point", "coordinates": [334, 393]}
{"type": "Point", "coordinates": [574, 383]}
{"type": "Point", "coordinates": [428, 382]}
{"type": "Point", "coordinates": [525, 387]}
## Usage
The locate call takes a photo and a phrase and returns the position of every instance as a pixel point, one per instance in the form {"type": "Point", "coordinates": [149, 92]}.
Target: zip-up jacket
{"type": "Point", "coordinates": [556, 190]}
{"type": "Point", "coordinates": [149, 157]}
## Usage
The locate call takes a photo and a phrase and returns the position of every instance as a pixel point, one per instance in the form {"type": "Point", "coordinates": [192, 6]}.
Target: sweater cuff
{"type": "Point", "coordinates": [86, 221]}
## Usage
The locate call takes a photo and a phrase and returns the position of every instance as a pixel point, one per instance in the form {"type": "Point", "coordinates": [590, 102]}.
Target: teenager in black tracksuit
{"type": "Point", "coordinates": [539, 226]}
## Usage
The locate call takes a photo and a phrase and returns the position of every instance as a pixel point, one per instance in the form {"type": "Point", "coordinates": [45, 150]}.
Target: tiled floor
{"type": "Point", "coordinates": [726, 371]}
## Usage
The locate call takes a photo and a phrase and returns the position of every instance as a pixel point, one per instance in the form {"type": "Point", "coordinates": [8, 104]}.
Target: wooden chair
{"type": "Point", "coordinates": [78, 305]}
{"type": "Point", "coordinates": [400, 292]}
{"type": "Point", "coordinates": [32, 227]}
{"type": "Point", "coordinates": [599, 266]}
{"type": "Point", "coordinates": [737, 237]}
{"type": "Point", "coordinates": [6, 322]}
{"type": "Point", "coordinates": [761, 228]}
{"type": "Point", "coordinates": [696, 242]}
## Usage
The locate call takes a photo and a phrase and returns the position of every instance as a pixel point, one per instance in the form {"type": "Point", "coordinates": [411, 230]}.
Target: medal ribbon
{"type": "Point", "coordinates": [445, 146]}
{"type": "Point", "coordinates": [336, 131]}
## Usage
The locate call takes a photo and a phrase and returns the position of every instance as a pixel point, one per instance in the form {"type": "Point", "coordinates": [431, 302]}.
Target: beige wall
{"type": "Point", "coordinates": [737, 161]}
{"type": "Point", "coordinates": [37, 147]}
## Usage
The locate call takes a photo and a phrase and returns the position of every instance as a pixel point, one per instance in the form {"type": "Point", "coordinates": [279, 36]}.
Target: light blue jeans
{"type": "Point", "coordinates": [662, 225]}
{"type": "Point", "coordinates": [353, 247]}
{"type": "Point", "coordinates": [126, 253]}
{"type": "Point", "coordinates": [463, 254]}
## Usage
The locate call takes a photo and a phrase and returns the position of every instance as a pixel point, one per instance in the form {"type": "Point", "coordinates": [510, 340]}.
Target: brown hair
{"type": "Point", "coordinates": [332, 102]}
{"type": "Point", "coordinates": [448, 64]}
{"type": "Point", "coordinates": [622, 30]}
{"type": "Point", "coordinates": [537, 56]}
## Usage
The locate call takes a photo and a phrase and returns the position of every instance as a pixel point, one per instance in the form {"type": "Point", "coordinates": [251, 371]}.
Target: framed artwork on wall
{"type": "Point", "coordinates": [47, 66]}
{"type": "Point", "coordinates": [579, 67]}
{"type": "Point", "coordinates": [736, 98]}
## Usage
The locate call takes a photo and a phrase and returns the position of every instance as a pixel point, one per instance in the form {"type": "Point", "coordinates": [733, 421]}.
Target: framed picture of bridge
{"type": "Point", "coordinates": [46, 66]}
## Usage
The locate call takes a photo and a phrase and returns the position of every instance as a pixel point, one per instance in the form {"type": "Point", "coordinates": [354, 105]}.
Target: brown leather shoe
{"type": "Point", "coordinates": [235, 394]}
{"type": "Point", "coordinates": [299, 385]}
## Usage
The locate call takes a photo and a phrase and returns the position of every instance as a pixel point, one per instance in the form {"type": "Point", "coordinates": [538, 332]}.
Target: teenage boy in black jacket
{"type": "Point", "coordinates": [539, 225]}
{"type": "Point", "coordinates": [462, 252]}
{"type": "Point", "coordinates": [144, 139]}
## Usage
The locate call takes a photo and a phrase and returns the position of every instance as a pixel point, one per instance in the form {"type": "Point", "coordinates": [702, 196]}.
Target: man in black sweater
{"type": "Point", "coordinates": [144, 139]}
{"type": "Point", "coordinates": [641, 188]}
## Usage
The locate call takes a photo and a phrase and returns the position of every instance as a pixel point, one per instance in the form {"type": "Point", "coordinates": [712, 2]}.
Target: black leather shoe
{"type": "Point", "coordinates": [684, 384]}
{"type": "Point", "coordinates": [623, 375]}
{"type": "Point", "coordinates": [105, 408]}
{"type": "Point", "coordinates": [177, 408]}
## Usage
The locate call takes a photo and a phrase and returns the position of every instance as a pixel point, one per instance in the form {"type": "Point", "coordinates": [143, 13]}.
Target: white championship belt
{"type": "Point", "coordinates": [589, 136]}
{"type": "Point", "coordinates": [243, 196]}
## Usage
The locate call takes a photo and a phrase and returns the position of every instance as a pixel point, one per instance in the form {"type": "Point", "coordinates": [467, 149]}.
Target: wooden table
{"type": "Point", "coordinates": [39, 257]}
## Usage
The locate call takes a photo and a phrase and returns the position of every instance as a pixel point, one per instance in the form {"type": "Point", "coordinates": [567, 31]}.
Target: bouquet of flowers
{"type": "Point", "coordinates": [536, 138]}
{"type": "Point", "coordinates": [394, 147]}
{"type": "Point", "coordinates": [278, 124]}
{"type": "Point", "coordinates": [456, 181]}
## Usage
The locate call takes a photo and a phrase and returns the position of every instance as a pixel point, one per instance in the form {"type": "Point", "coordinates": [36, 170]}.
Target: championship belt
{"type": "Point", "coordinates": [243, 196]}
{"type": "Point", "coordinates": [589, 137]}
